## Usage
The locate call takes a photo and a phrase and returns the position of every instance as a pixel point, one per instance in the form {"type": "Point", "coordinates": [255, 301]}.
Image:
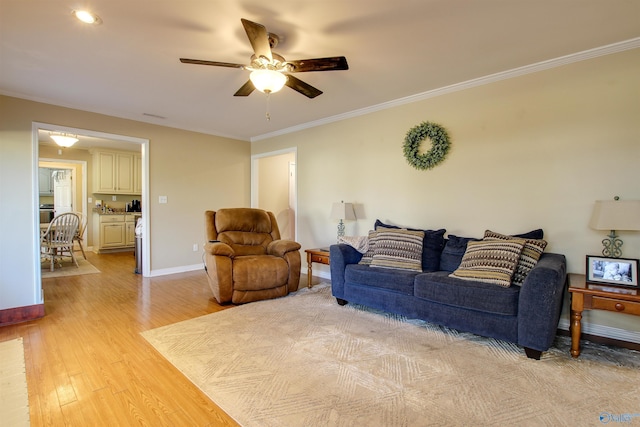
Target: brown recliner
{"type": "Point", "coordinates": [245, 258]}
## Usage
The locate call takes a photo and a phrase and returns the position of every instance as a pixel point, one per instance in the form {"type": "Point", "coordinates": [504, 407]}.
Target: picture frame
{"type": "Point", "coordinates": [614, 271]}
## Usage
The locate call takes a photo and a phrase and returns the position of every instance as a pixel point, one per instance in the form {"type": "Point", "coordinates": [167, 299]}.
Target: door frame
{"type": "Point", "coordinates": [144, 150]}
{"type": "Point", "coordinates": [255, 184]}
{"type": "Point", "coordinates": [83, 168]}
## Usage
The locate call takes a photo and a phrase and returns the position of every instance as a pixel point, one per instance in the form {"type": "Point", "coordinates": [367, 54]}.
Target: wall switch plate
{"type": "Point", "coordinates": [195, 247]}
{"type": "Point", "coordinates": [90, 200]}
{"type": "Point", "coordinates": [162, 199]}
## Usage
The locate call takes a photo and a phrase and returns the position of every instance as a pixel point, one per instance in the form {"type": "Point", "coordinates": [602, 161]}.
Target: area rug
{"type": "Point", "coordinates": [68, 268]}
{"type": "Point", "coordinates": [14, 397]}
{"type": "Point", "coordinates": [303, 360]}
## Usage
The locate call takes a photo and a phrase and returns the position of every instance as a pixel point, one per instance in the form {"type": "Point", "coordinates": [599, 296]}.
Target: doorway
{"type": "Point", "coordinates": [274, 188]}
{"type": "Point", "coordinates": [110, 141]}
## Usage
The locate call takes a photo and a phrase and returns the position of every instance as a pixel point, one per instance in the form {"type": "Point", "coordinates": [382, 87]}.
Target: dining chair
{"type": "Point", "coordinates": [58, 239]}
{"type": "Point", "coordinates": [79, 236]}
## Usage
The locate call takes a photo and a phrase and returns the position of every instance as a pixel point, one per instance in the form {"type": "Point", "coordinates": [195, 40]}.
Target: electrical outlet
{"type": "Point", "coordinates": [114, 198]}
{"type": "Point", "coordinates": [90, 200]}
{"type": "Point", "coordinates": [162, 199]}
{"type": "Point", "coordinates": [195, 247]}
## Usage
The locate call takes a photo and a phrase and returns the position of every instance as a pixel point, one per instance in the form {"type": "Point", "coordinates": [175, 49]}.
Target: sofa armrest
{"type": "Point", "coordinates": [340, 256]}
{"type": "Point", "coordinates": [540, 302]}
{"type": "Point", "coordinates": [280, 247]}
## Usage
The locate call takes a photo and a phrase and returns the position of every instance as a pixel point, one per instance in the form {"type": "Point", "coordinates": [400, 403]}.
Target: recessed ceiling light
{"type": "Point", "coordinates": [87, 17]}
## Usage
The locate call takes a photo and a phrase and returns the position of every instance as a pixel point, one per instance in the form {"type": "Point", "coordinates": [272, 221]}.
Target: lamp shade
{"type": "Point", "coordinates": [616, 215]}
{"type": "Point", "coordinates": [267, 81]}
{"type": "Point", "coordinates": [341, 210]}
{"type": "Point", "coordinates": [64, 140]}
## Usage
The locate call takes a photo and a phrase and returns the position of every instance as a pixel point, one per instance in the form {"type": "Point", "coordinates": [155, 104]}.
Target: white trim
{"type": "Point", "coordinates": [492, 78]}
{"type": "Point", "coordinates": [604, 331]}
{"type": "Point", "coordinates": [144, 145]}
{"type": "Point", "coordinates": [175, 270]}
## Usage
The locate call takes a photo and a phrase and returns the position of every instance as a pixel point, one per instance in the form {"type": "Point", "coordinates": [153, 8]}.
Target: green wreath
{"type": "Point", "coordinates": [439, 145]}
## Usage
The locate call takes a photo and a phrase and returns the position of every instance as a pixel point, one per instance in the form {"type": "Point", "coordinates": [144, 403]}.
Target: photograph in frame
{"type": "Point", "coordinates": [615, 271]}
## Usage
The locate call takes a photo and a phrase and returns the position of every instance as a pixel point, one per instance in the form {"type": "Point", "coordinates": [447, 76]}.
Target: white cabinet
{"type": "Point", "coordinates": [137, 174]}
{"type": "Point", "coordinates": [45, 183]}
{"type": "Point", "coordinates": [114, 172]}
{"type": "Point", "coordinates": [113, 231]}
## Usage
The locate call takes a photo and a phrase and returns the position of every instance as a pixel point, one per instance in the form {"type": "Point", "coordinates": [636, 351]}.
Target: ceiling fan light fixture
{"type": "Point", "coordinates": [64, 139]}
{"type": "Point", "coordinates": [268, 81]}
{"type": "Point", "coordinates": [87, 17]}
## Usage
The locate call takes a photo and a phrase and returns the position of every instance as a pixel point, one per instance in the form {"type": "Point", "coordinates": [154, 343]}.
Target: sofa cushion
{"type": "Point", "coordinates": [490, 261]}
{"type": "Point", "coordinates": [439, 287]}
{"type": "Point", "coordinates": [367, 257]}
{"type": "Point", "coordinates": [453, 251]}
{"type": "Point", "coordinates": [393, 280]}
{"type": "Point", "coordinates": [531, 252]}
{"type": "Point", "coordinates": [398, 249]}
{"type": "Point", "coordinates": [432, 245]}
{"type": "Point", "coordinates": [533, 234]}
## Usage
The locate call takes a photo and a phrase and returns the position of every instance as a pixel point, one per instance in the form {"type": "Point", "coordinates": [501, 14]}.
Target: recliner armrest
{"type": "Point", "coordinates": [219, 248]}
{"type": "Point", "coordinates": [281, 247]}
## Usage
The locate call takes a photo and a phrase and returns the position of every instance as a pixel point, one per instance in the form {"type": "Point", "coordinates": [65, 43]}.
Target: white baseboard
{"type": "Point", "coordinates": [175, 270]}
{"type": "Point", "coordinates": [604, 331]}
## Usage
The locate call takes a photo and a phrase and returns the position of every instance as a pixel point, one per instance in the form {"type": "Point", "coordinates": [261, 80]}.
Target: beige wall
{"type": "Point", "coordinates": [533, 151]}
{"type": "Point", "coordinates": [195, 171]}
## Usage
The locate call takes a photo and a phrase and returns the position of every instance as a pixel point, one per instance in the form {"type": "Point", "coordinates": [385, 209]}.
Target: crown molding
{"type": "Point", "coordinates": [491, 78]}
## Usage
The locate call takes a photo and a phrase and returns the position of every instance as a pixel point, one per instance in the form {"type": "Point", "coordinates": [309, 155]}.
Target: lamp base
{"type": "Point", "coordinates": [612, 246]}
{"type": "Point", "coordinates": [340, 231]}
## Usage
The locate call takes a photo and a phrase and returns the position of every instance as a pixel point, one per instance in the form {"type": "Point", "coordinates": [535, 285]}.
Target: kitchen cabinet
{"type": "Point", "coordinates": [137, 174]}
{"type": "Point", "coordinates": [130, 230]}
{"type": "Point", "coordinates": [113, 231]}
{"type": "Point", "coordinates": [45, 182]}
{"type": "Point", "coordinates": [114, 172]}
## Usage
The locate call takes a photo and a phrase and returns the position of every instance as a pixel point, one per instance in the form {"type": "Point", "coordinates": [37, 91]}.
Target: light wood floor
{"type": "Point", "coordinates": [87, 363]}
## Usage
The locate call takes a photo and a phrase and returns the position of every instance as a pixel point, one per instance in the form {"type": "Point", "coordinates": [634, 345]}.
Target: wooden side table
{"type": "Point", "coordinates": [589, 296]}
{"type": "Point", "coordinates": [321, 256]}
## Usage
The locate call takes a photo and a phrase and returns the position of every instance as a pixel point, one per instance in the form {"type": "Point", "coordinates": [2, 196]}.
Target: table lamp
{"type": "Point", "coordinates": [615, 215]}
{"type": "Point", "coordinates": [342, 211]}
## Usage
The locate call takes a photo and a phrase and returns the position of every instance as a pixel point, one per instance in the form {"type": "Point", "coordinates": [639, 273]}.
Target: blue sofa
{"type": "Point", "coordinates": [526, 315]}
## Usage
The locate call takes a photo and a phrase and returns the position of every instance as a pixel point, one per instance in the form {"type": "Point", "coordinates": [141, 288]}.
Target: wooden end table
{"type": "Point", "coordinates": [589, 296]}
{"type": "Point", "coordinates": [321, 256]}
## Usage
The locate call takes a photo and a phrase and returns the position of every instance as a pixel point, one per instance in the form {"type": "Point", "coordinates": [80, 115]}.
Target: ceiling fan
{"type": "Point", "coordinates": [270, 71]}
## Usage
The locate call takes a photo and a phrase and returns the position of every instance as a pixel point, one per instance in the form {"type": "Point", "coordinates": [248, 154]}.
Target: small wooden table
{"type": "Point", "coordinates": [589, 296]}
{"type": "Point", "coordinates": [321, 256]}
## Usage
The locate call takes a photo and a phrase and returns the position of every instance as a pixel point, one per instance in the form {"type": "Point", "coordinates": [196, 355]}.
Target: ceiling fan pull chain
{"type": "Point", "coordinates": [268, 114]}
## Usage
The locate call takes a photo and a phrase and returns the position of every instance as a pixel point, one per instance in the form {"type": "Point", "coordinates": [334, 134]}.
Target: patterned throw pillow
{"type": "Point", "coordinates": [533, 249]}
{"type": "Point", "coordinates": [398, 248]}
{"type": "Point", "coordinates": [368, 256]}
{"type": "Point", "coordinates": [490, 261]}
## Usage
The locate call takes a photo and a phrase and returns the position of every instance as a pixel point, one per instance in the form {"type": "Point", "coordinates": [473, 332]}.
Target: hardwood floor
{"type": "Point", "coordinates": [87, 363]}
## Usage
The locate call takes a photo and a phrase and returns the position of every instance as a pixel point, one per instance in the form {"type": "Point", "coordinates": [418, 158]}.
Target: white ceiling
{"type": "Point", "coordinates": [128, 66]}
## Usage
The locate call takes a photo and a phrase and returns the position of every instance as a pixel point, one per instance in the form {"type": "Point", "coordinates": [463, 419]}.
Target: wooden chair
{"type": "Point", "coordinates": [82, 226]}
{"type": "Point", "coordinates": [58, 239]}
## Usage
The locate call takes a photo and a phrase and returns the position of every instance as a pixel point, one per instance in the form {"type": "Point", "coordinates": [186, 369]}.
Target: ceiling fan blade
{"type": "Point", "coordinates": [319, 64]}
{"type": "Point", "coordinates": [217, 64]}
{"type": "Point", "coordinates": [304, 88]}
{"type": "Point", "coordinates": [246, 89]}
{"type": "Point", "coordinates": [259, 39]}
